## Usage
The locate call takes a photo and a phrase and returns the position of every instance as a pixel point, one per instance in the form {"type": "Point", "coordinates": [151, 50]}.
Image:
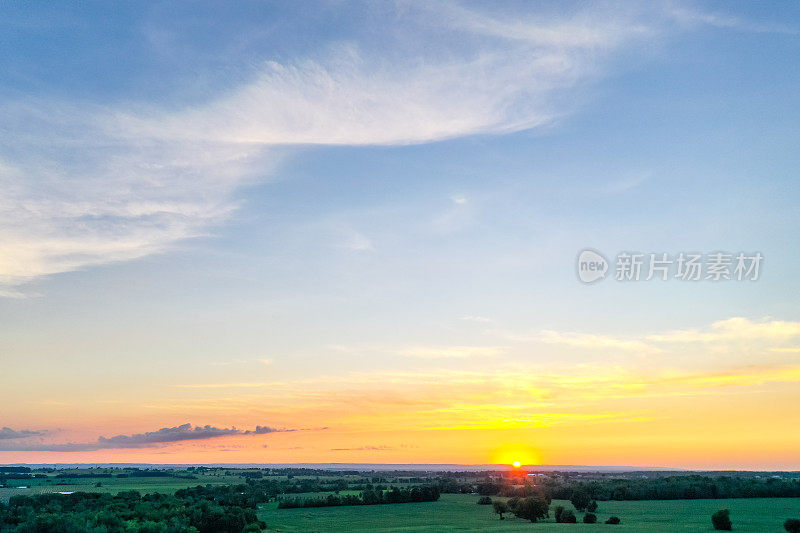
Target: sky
{"type": "Point", "coordinates": [347, 232]}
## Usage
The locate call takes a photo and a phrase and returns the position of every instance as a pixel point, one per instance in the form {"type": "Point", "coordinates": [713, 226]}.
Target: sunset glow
{"type": "Point", "coordinates": [350, 233]}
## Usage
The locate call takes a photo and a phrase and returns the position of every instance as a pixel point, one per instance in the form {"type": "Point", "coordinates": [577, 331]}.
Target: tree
{"type": "Point", "coordinates": [590, 518]}
{"type": "Point", "coordinates": [532, 508]}
{"type": "Point", "coordinates": [580, 499]}
{"type": "Point", "coordinates": [592, 507]}
{"type": "Point", "coordinates": [613, 520]}
{"type": "Point", "coordinates": [484, 500]}
{"type": "Point", "coordinates": [564, 516]}
{"type": "Point", "coordinates": [722, 520]}
{"type": "Point", "coordinates": [500, 508]}
{"type": "Point", "coordinates": [792, 525]}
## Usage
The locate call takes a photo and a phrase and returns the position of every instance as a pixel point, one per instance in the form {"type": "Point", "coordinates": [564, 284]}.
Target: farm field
{"type": "Point", "coordinates": [112, 485]}
{"type": "Point", "coordinates": [456, 512]}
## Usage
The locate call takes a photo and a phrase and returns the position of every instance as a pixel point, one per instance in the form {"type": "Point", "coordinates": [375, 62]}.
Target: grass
{"type": "Point", "coordinates": [113, 485]}
{"type": "Point", "coordinates": [453, 512]}
{"type": "Point", "coordinates": [456, 512]}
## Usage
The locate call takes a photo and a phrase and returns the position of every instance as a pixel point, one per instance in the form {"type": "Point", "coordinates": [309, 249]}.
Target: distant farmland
{"type": "Point", "coordinates": [459, 512]}
{"type": "Point", "coordinates": [347, 501]}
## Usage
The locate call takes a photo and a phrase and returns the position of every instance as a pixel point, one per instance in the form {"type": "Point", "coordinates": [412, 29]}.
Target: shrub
{"type": "Point", "coordinates": [722, 520]}
{"type": "Point", "coordinates": [484, 500]}
{"type": "Point", "coordinates": [580, 499]}
{"type": "Point", "coordinates": [613, 520]}
{"type": "Point", "coordinates": [592, 507]}
{"type": "Point", "coordinates": [531, 508]}
{"type": "Point", "coordinates": [567, 517]}
{"type": "Point", "coordinates": [590, 518]}
{"type": "Point", "coordinates": [792, 525]}
{"type": "Point", "coordinates": [557, 512]}
{"type": "Point", "coordinates": [500, 508]}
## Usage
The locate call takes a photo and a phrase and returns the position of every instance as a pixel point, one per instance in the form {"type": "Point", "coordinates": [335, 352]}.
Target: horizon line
{"type": "Point", "coordinates": [397, 466]}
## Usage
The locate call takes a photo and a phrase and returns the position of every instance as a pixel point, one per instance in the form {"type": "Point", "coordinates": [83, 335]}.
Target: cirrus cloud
{"type": "Point", "coordinates": [88, 185]}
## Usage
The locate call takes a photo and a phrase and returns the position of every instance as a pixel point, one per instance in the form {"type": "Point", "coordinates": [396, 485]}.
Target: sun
{"type": "Point", "coordinates": [511, 453]}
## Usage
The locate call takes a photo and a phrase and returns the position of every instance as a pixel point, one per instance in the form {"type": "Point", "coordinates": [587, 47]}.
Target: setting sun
{"type": "Point", "coordinates": [344, 266]}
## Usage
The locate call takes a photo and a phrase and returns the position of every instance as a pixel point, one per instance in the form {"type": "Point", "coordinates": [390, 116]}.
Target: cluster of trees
{"type": "Point", "coordinates": [685, 487]}
{"type": "Point", "coordinates": [370, 496]}
{"type": "Point", "coordinates": [126, 512]}
{"type": "Point", "coordinates": [88, 475]}
{"type": "Point", "coordinates": [564, 516]}
{"type": "Point", "coordinates": [537, 507]}
{"type": "Point", "coordinates": [295, 486]}
{"type": "Point", "coordinates": [18, 475]}
{"type": "Point", "coordinates": [259, 490]}
{"type": "Point", "coordinates": [582, 500]}
{"type": "Point", "coordinates": [681, 487]}
{"type": "Point", "coordinates": [530, 508]}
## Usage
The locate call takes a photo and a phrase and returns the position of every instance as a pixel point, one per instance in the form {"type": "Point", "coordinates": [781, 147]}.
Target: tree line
{"type": "Point", "coordinates": [685, 487]}
{"type": "Point", "coordinates": [370, 496]}
{"type": "Point", "coordinates": [126, 512]}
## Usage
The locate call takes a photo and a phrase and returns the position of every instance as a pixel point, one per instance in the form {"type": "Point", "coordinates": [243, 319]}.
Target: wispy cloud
{"type": "Point", "coordinates": [626, 184]}
{"type": "Point", "coordinates": [459, 352]}
{"type": "Point", "coordinates": [476, 319]}
{"type": "Point", "coordinates": [457, 216]}
{"type": "Point", "coordinates": [743, 331]}
{"type": "Point", "coordinates": [89, 185]}
{"type": "Point", "coordinates": [510, 395]}
{"type": "Point", "coordinates": [586, 340]}
{"type": "Point", "coordinates": [355, 241]}
{"type": "Point", "coordinates": [229, 362]}
{"type": "Point", "coordinates": [232, 385]}
{"type": "Point", "coordinates": [739, 377]}
{"type": "Point", "coordinates": [365, 448]}
{"type": "Point", "coordinates": [732, 329]}
{"type": "Point", "coordinates": [690, 16]}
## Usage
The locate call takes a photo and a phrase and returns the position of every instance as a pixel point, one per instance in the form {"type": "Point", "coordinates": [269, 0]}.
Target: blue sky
{"type": "Point", "coordinates": [323, 186]}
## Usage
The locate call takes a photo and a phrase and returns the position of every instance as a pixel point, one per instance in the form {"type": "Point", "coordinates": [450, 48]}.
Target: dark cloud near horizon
{"type": "Point", "coordinates": [8, 433]}
{"type": "Point", "coordinates": [263, 430]}
{"type": "Point", "coordinates": [149, 439]}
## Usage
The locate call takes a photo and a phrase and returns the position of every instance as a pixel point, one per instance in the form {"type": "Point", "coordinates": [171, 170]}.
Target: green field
{"type": "Point", "coordinates": [113, 485]}
{"type": "Point", "coordinates": [456, 512]}
{"type": "Point", "coordinates": [453, 512]}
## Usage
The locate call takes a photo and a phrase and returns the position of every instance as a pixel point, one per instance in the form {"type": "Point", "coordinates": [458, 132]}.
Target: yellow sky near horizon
{"type": "Point", "coordinates": [654, 413]}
